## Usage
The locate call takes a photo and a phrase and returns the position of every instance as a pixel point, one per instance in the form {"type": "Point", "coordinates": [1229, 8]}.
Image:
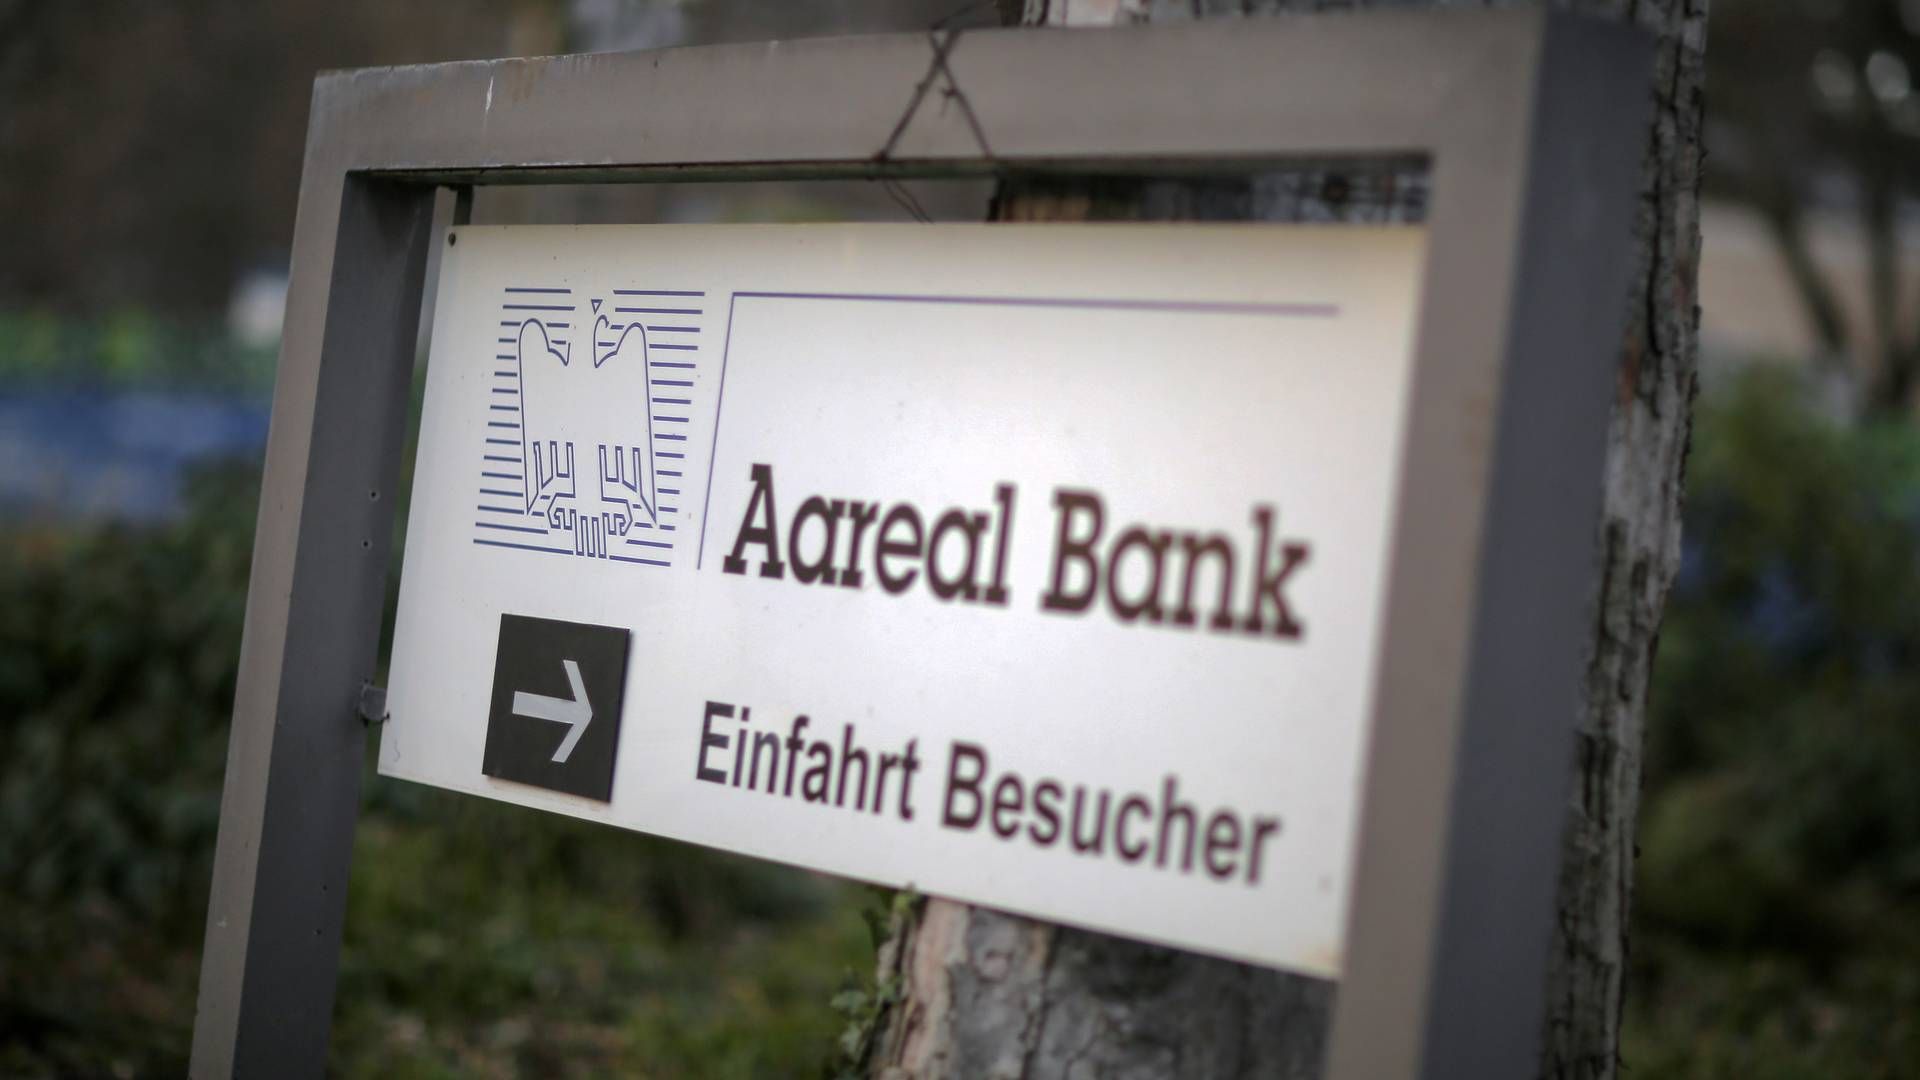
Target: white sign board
{"type": "Point", "coordinates": [1035, 566]}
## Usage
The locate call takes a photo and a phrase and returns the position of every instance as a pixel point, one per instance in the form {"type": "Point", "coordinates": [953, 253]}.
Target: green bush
{"type": "Point", "coordinates": [1777, 921]}
{"type": "Point", "coordinates": [481, 939]}
{"type": "Point", "coordinates": [117, 652]}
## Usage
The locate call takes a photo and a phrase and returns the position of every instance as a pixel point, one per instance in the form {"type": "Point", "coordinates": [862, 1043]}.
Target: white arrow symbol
{"type": "Point", "coordinates": [576, 710]}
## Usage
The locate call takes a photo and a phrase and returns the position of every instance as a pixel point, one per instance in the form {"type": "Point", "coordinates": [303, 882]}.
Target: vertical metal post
{"type": "Point", "coordinates": [1465, 852]}
{"type": "Point", "coordinates": [294, 761]}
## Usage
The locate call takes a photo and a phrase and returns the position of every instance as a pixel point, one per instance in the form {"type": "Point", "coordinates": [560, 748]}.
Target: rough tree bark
{"type": "Point", "coordinates": [984, 994]}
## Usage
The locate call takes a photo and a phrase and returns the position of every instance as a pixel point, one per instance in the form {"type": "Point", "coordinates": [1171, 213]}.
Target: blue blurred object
{"type": "Point", "coordinates": [77, 454]}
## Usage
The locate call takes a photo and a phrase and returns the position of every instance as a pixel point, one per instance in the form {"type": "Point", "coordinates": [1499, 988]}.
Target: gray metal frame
{"type": "Point", "coordinates": [1533, 126]}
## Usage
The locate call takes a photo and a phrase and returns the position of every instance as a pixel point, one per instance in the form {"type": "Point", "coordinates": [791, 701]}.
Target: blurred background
{"type": "Point", "coordinates": [149, 164]}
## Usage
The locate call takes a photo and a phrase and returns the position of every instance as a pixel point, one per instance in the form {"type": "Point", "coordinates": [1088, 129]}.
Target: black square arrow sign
{"type": "Point", "coordinates": [554, 721]}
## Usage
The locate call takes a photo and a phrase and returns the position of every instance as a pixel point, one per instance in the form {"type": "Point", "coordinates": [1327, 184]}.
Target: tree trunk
{"type": "Point", "coordinates": [983, 994]}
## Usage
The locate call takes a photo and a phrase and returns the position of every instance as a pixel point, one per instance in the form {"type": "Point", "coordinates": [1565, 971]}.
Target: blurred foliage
{"type": "Point", "coordinates": [116, 670]}
{"type": "Point", "coordinates": [482, 940]}
{"type": "Point", "coordinates": [1813, 120]}
{"type": "Point", "coordinates": [1777, 916]}
{"type": "Point", "coordinates": [127, 349]}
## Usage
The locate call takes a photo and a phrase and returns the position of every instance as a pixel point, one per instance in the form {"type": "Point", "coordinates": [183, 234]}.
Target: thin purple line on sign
{"type": "Point", "coordinates": [1296, 310]}
{"type": "Point", "coordinates": [1195, 307]}
{"type": "Point", "coordinates": [525, 547]}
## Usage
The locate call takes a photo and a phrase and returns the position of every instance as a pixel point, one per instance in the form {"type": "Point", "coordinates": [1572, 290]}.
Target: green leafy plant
{"type": "Point", "coordinates": [1777, 921]}
{"type": "Point", "coordinates": [481, 939]}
